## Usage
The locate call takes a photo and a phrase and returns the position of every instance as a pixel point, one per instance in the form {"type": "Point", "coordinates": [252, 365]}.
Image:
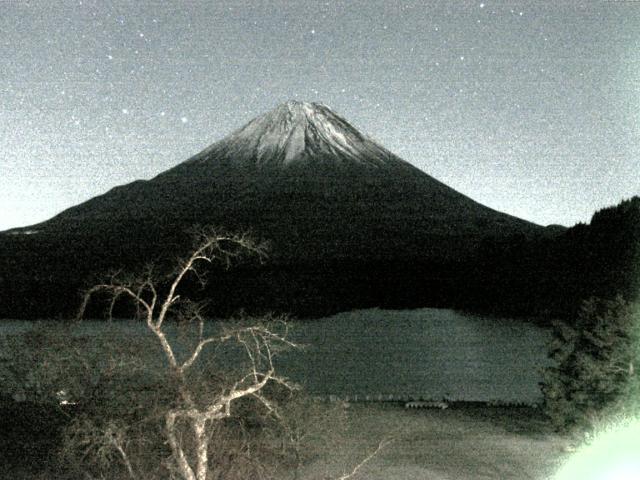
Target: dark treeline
{"type": "Point", "coordinates": [535, 276]}
{"type": "Point", "coordinates": [552, 276]}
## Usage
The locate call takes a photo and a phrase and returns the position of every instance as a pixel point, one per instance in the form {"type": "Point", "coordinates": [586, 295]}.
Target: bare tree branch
{"type": "Point", "coordinates": [383, 443]}
{"type": "Point", "coordinates": [196, 408]}
{"type": "Point", "coordinates": [260, 344]}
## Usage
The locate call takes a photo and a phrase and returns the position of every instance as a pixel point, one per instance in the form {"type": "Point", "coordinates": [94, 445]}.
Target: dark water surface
{"type": "Point", "coordinates": [429, 354]}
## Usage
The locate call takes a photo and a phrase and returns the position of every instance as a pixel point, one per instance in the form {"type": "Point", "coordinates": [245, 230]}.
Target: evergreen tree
{"type": "Point", "coordinates": [595, 364]}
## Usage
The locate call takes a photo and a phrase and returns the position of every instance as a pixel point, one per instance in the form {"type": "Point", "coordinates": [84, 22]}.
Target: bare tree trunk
{"type": "Point", "coordinates": [178, 454]}
{"type": "Point", "coordinates": [202, 445]}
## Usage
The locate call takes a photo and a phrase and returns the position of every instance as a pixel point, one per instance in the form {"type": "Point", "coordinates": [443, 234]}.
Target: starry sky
{"type": "Point", "coordinates": [531, 108]}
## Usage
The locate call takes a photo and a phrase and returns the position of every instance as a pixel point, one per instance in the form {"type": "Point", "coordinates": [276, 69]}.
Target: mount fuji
{"type": "Point", "coordinates": [303, 177]}
{"type": "Point", "coordinates": [335, 205]}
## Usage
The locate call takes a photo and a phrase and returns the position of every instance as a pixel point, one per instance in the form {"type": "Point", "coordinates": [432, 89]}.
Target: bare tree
{"type": "Point", "coordinates": [190, 420]}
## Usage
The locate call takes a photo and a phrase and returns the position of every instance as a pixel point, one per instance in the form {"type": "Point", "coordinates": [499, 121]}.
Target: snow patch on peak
{"type": "Point", "coordinates": [296, 107]}
{"type": "Point", "coordinates": [299, 132]}
{"type": "Point", "coordinates": [295, 144]}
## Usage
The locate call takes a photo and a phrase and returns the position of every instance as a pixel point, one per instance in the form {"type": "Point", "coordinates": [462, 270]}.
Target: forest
{"type": "Point", "coordinates": [535, 276]}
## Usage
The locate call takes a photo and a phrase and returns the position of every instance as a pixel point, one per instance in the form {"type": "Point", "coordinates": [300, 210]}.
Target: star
{"type": "Point", "coordinates": [185, 61]}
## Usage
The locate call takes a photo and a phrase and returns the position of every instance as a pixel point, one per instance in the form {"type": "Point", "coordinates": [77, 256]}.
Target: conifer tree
{"type": "Point", "coordinates": [595, 364]}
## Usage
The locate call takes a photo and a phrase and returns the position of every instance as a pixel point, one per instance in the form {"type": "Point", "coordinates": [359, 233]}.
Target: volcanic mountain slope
{"type": "Point", "coordinates": [350, 225]}
{"type": "Point", "coordinates": [304, 178]}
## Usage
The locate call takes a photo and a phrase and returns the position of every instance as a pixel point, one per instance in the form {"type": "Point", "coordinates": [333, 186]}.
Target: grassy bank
{"type": "Point", "coordinates": [464, 441]}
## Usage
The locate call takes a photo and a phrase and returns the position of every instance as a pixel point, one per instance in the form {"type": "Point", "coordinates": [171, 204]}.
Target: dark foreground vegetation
{"type": "Point", "coordinates": [32, 434]}
{"type": "Point", "coordinates": [425, 444]}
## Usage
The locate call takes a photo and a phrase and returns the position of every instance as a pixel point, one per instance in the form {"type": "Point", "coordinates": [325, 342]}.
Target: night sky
{"type": "Point", "coordinates": [531, 108]}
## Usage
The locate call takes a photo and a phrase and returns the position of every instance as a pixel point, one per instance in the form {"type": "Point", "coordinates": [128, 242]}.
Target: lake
{"type": "Point", "coordinates": [428, 354]}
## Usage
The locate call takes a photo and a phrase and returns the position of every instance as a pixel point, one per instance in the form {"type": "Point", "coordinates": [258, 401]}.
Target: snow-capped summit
{"type": "Point", "coordinates": [298, 132]}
